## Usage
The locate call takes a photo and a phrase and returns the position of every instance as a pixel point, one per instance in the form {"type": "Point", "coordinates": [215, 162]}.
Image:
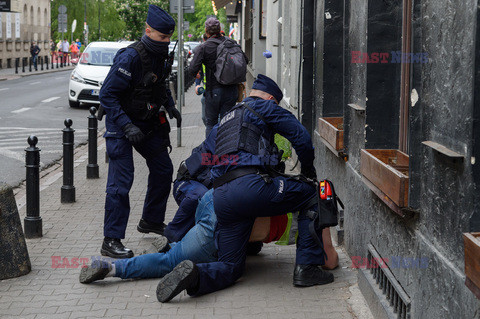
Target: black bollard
{"type": "Point", "coordinates": [57, 61]}
{"type": "Point", "coordinates": [33, 221]}
{"type": "Point", "coordinates": [68, 190]}
{"type": "Point", "coordinates": [41, 63]}
{"type": "Point", "coordinates": [23, 65]}
{"type": "Point", "coordinates": [30, 64]}
{"type": "Point", "coordinates": [17, 62]}
{"type": "Point", "coordinates": [92, 167]}
{"type": "Point", "coordinates": [46, 61]}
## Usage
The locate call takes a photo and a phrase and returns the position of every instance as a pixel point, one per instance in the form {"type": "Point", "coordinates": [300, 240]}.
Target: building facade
{"type": "Point", "coordinates": [19, 29]}
{"type": "Point", "coordinates": [389, 91]}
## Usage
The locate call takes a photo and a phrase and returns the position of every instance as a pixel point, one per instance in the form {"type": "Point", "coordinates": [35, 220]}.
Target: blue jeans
{"type": "Point", "coordinates": [34, 60]}
{"type": "Point", "coordinates": [187, 194]}
{"type": "Point", "coordinates": [218, 101]}
{"type": "Point", "coordinates": [198, 245]}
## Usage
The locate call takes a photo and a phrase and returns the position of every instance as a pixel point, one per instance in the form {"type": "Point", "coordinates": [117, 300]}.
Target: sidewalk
{"type": "Point", "coordinates": [9, 74]}
{"type": "Point", "coordinates": [75, 230]}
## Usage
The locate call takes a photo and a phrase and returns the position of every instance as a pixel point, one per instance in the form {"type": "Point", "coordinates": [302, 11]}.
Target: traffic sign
{"type": "Point", "coordinates": [188, 6]}
{"type": "Point", "coordinates": [62, 9]}
{"type": "Point", "coordinates": [186, 25]}
{"type": "Point", "coordinates": [62, 18]}
{"type": "Point", "coordinates": [9, 6]}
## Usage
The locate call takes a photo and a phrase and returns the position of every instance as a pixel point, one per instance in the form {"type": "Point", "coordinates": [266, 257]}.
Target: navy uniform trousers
{"type": "Point", "coordinates": [120, 180]}
{"type": "Point", "coordinates": [237, 204]}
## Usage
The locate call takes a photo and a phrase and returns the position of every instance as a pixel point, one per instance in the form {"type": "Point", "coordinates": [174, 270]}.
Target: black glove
{"type": "Point", "coordinates": [174, 113]}
{"type": "Point", "coordinates": [133, 133]}
{"type": "Point", "coordinates": [309, 172]}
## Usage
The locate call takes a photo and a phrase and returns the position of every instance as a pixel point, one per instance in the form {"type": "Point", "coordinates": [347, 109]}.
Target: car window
{"type": "Point", "coordinates": [98, 56]}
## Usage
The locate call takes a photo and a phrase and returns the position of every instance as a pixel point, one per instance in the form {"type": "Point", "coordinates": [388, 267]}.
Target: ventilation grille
{"type": "Point", "coordinates": [390, 287]}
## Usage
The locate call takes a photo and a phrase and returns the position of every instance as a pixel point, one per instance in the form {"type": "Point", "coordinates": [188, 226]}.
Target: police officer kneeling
{"type": "Point", "coordinates": [135, 97]}
{"type": "Point", "coordinates": [246, 189]}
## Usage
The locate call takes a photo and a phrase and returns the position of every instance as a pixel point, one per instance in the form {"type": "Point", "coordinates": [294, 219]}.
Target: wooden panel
{"type": "Point", "coordinates": [472, 257]}
{"type": "Point", "coordinates": [387, 170]}
{"type": "Point", "coordinates": [331, 130]}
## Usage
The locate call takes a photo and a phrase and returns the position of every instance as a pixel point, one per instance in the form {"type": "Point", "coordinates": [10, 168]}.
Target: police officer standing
{"type": "Point", "coordinates": [135, 98]}
{"type": "Point", "coordinates": [249, 189]}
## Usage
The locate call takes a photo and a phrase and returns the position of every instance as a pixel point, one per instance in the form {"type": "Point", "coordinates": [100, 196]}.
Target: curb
{"type": "Point", "coordinates": [21, 75]}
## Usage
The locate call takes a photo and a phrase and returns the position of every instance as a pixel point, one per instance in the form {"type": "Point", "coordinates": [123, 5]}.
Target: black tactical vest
{"type": "Point", "coordinates": [235, 134]}
{"type": "Point", "coordinates": [150, 94]}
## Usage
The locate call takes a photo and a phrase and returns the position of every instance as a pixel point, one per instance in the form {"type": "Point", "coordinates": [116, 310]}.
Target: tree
{"type": "Point", "coordinates": [134, 14]}
{"type": "Point", "coordinates": [112, 26]}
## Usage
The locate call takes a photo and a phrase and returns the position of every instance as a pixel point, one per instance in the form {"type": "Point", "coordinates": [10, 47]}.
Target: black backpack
{"type": "Point", "coordinates": [231, 63]}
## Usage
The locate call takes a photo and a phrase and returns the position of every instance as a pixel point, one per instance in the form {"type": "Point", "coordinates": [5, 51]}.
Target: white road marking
{"type": "Point", "coordinates": [33, 83]}
{"type": "Point", "coordinates": [4, 89]}
{"type": "Point", "coordinates": [50, 99]}
{"type": "Point", "coordinates": [59, 78]}
{"type": "Point", "coordinates": [23, 109]}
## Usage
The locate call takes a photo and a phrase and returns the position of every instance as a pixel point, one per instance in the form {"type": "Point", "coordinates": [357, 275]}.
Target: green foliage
{"type": "Point", "coordinates": [112, 26]}
{"type": "Point", "coordinates": [134, 14]}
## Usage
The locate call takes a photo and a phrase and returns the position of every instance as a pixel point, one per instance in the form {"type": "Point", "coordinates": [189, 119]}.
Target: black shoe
{"type": "Point", "coordinates": [98, 270]}
{"type": "Point", "coordinates": [149, 227]}
{"type": "Point", "coordinates": [114, 248]}
{"type": "Point", "coordinates": [159, 245]}
{"type": "Point", "coordinates": [184, 276]}
{"type": "Point", "coordinates": [254, 248]}
{"type": "Point", "coordinates": [311, 275]}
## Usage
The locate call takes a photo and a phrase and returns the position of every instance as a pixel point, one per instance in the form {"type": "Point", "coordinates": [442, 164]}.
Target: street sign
{"type": "Point", "coordinates": [74, 25]}
{"type": "Point", "coordinates": [9, 6]}
{"type": "Point", "coordinates": [62, 23]}
{"type": "Point", "coordinates": [188, 6]}
{"type": "Point", "coordinates": [186, 25]}
{"type": "Point", "coordinates": [62, 9]}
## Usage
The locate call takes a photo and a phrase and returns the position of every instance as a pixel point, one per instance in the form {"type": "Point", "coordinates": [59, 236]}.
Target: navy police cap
{"type": "Point", "coordinates": [265, 84]}
{"type": "Point", "coordinates": [160, 20]}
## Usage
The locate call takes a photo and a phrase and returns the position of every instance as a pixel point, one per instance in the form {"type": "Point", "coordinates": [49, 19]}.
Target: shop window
{"type": "Point", "coordinates": [385, 161]}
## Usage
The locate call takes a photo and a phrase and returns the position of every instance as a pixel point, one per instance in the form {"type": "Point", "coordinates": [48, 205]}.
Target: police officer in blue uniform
{"type": "Point", "coordinates": [135, 98]}
{"type": "Point", "coordinates": [245, 189]}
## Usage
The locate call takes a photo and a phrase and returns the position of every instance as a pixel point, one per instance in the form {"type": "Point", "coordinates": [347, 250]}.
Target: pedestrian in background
{"type": "Point", "coordinates": [79, 44]}
{"type": "Point", "coordinates": [34, 51]}
{"type": "Point", "coordinates": [65, 50]}
{"type": "Point", "coordinates": [135, 98]}
{"type": "Point", "coordinates": [74, 50]}
{"type": "Point", "coordinates": [219, 98]}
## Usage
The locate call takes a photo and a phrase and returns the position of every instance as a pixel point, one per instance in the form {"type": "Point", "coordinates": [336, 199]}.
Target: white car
{"type": "Point", "coordinates": [91, 70]}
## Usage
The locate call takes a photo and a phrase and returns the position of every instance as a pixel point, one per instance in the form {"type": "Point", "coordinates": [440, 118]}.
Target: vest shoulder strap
{"type": "Point", "coordinates": [144, 57]}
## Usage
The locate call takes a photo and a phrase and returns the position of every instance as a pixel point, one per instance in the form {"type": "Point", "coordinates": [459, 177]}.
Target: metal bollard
{"type": "Point", "coordinates": [46, 61]}
{"type": "Point", "coordinates": [68, 190]}
{"type": "Point", "coordinates": [57, 60]}
{"type": "Point", "coordinates": [23, 65]}
{"type": "Point", "coordinates": [30, 64]}
{"type": "Point", "coordinates": [92, 167]}
{"type": "Point", "coordinates": [33, 221]}
{"type": "Point", "coordinates": [41, 63]}
{"type": "Point", "coordinates": [17, 62]}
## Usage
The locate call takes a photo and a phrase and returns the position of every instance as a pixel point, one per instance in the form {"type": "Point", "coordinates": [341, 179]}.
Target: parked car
{"type": "Point", "coordinates": [91, 70]}
{"type": "Point", "coordinates": [175, 61]}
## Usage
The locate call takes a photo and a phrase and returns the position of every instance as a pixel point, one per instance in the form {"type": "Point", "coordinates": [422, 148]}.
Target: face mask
{"type": "Point", "coordinates": [156, 47]}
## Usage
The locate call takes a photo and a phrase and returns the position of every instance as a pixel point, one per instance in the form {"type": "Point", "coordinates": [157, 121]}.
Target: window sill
{"type": "Point", "coordinates": [385, 172]}
{"type": "Point", "coordinates": [330, 132]}
{"type": "Point", "coordinates": [472, 262]}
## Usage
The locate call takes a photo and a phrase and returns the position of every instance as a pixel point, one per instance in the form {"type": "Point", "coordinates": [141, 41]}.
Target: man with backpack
{"type": "Point", "coordinates": [226, 67]}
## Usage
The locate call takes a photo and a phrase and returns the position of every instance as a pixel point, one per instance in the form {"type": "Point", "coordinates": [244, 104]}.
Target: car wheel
{"type": "Point", "coordinates": [73, 103]}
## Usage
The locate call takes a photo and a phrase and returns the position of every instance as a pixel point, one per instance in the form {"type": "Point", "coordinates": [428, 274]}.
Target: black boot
{"type": "Point", "coordinates": [159, 245]}
{"type": "Point", "coordinates": [98, 270]}
{"type": "Point", "coordinates": [114, 248]}
{"type": "Point", "coordinates": [183, 276]}
{"type": "Point", "coordinates": [254, 248]}
{"type": "Point", "coordinates": [311, 275]}
{"type": "Point", "coordinates": [149, 227]}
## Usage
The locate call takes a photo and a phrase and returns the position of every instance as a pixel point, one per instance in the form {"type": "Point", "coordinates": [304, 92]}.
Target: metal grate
{"type": "Point", "coordinates": [390, 287]}
{"type": "Point", "coordinates": [91, 82]}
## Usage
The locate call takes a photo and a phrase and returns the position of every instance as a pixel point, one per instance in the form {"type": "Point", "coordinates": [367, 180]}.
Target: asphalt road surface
{"type": "Point", "coordinates": [37, 105]}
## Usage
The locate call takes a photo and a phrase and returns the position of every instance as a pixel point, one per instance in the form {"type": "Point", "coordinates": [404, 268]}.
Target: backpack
{"type": "Point", "coordinates": [231, 63]}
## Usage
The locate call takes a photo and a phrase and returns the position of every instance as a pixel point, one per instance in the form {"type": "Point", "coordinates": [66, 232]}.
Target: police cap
{"type": "Point", "coordinates": [160, 20]}
{"type": "Point", "coordinates": [265, 84]}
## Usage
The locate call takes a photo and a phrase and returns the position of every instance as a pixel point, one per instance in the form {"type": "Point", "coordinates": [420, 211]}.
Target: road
{"type": "Point", "coordinates": [38, 105]}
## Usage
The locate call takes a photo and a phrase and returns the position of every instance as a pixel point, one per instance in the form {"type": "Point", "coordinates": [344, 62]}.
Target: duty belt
{"type": "Point", "coordinates": [234, 174]}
